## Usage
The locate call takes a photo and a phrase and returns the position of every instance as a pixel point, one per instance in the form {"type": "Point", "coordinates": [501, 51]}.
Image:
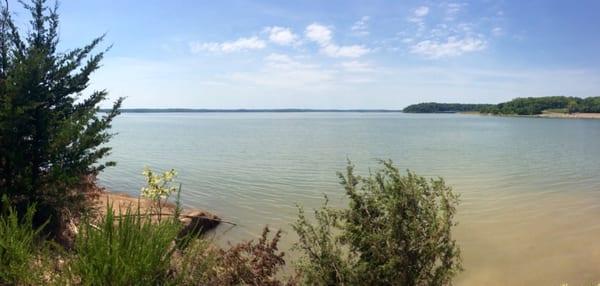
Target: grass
{"type": "Point", "coordinates": [20, 248]}
{"type": "Point", "coordinates": [126, 249]}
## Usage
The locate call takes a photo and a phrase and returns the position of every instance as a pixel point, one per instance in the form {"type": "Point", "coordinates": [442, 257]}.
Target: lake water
{"type": "Point", "coordinates": [530, 187]}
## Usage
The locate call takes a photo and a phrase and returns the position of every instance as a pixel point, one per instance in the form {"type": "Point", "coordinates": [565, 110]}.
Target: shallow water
{"type": "Point", "coordinates": [530, 187]}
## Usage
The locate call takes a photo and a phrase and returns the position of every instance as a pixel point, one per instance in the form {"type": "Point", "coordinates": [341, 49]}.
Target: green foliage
{"type": "Point", "coordinates": [51, 137]}
{"type": "Point", "coordinates": [396, 231]}
{"type": "Point", "coordinates": [324, 261]}
{"type": "Point", "coordinates": [517, 106]}
{"type": "Point", "coordinates": [127, 249]}
{"type": "Point", "coordinates": [433, 107]}
{"type": "Point", "coordinates": [21, 249]}
{"type": "Point", "coordinates": [586, 105]}
{"type": "Point", "coordinates": [537, 105]}
{"type": "Point", "coordinates": [532, 105]}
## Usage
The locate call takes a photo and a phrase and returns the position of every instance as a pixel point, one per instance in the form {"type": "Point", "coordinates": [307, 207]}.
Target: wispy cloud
{"type": "Point", "coordinates": [322, 35]}
{"type": "Point", "coordinates": [284, 71]}
{"type": "Point", "coordinates": [421, 11]}
{"type": "Point", "coordinates": [451, 47]}
{"type": "Point", "coordinates": [448, 36]}
{"type": "Point", "coordinates": [356, 66]}
{"type": "Point", "coordinates": [452, 9]}
{"type": "Point", "coordinates": [281, 36]}
{"type": "Point", "coordinates": [284, 62]}
{"type": "Point", "coordinates": [497, 31]}
{"type": "Point", "coordinates": [353, 51]}
{"type": "Point", "coordinates": [241, 44]}
{"type": "Point", "coordinates": [361, 27]}
{"type": "Point", "coordinates": [418, 17]}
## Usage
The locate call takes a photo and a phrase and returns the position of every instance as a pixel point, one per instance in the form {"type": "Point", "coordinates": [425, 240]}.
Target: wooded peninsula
{"type": "Point", "coordinates": [517, 106]}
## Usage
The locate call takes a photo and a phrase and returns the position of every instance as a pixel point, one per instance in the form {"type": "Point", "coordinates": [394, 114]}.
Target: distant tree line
{"type": "Point", "coordinates": [518, 106]}
{"type": "Point", "coordinates": [206, 110]}
{"type": "Point", "coordinates": [433, 107]}
{"type": "Point", "coordinates": [537, 105]}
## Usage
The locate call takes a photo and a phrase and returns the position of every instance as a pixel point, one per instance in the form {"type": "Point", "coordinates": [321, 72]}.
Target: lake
{"type": "Point", "coordinates": [529, 187]}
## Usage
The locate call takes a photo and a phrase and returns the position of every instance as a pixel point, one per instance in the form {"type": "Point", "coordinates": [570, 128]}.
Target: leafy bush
{"type": "Point", "coordinates": [247, 263]}
{"type": "Point", "coordinates": [51, 138]}
{"type": "Point", "coordinates": [396, 231]}
{"type": "Point", "coordinates": [20, 249]}
{"type": "Point", "coordinates": [126, 249]}
{"type": "Point", "coordinates": [325, 261]}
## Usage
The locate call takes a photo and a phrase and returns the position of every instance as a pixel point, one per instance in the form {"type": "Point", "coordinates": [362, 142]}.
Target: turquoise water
{"type": "Point", "coordinates": [530, 187]}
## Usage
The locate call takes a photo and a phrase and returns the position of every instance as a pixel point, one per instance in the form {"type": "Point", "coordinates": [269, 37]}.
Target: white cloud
{"type": "Point", "coordinates": [353, 51]}
{"type": "Point", "coordinates": [322, 36]}
{"type": "Point", "coordinates": [360, 27]}
{"type": "Point", "coordinates": [449, 37]}
{"type": "Point", "coordinates": [318, 33]}
{"type": "Point", "coordinates": [418, 16]}
{"type": "Point", "coordinates": [450, 48]}
{"type": "Point", "coordinates": [281, 36]}
{"type": "Point", "coordinates": [241, 44]}
{"type": "Point", "coordinates": [421, 11]}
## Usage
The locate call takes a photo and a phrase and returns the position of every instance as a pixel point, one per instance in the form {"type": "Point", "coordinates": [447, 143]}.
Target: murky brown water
{"type": "Point", "coordinates": [530, 187]}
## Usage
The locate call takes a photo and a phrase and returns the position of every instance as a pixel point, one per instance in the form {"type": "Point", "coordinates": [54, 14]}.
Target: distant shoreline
{"type": "Point", "coordinates": [570, 115]}
{"type": "Point", "coordinates": [543, 115]}
{"type": "Point", "coordinates": [193, 110]}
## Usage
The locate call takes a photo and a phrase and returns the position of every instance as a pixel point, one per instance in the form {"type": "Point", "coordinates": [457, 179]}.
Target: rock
{"type": "Point", "coordinates": [196, 223]}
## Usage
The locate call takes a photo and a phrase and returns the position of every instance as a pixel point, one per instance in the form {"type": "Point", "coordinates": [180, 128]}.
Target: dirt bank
{"type": "Point", "coordinates": [193, 220]}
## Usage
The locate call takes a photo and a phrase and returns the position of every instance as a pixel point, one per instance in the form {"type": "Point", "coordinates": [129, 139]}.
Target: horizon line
{"type": "Point", "coordinates": [206, 110]}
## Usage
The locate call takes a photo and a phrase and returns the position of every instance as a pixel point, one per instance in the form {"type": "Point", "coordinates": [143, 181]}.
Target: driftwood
{"type": "Point", "coordinates": [186, 216]}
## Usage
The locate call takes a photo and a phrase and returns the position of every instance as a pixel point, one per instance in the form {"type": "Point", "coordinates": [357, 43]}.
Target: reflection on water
{"type": "Point", "coordinates": [529, 187]}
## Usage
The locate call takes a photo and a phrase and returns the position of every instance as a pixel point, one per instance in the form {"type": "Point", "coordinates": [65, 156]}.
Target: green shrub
{"type": "Point", "coordinates": [126, 249]}
{"type": "Point", "coordinates": [21, 249]}
{"type": "Point", "coordinates": [324, 261]}
{"type": "Point", "coordinates": [396, 231]}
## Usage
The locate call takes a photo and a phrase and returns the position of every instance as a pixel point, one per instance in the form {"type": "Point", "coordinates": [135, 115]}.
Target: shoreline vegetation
{"type": "Point", "coordinates": [551, 107]}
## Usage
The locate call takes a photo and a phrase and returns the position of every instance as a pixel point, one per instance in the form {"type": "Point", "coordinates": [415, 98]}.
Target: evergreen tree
{"type": "Point", "coordinates": [51, 136]}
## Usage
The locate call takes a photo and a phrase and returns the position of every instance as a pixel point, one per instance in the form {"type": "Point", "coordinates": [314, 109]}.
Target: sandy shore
{"type": "Point", "coordinates": [121, 202]}
{"type": "Point", "coordinates": [543, 115]}
{"type": "Point", "coordinates": [571, 115]}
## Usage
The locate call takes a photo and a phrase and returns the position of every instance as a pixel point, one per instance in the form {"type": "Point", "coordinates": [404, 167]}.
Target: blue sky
{"type": "Point", "coordinates": [337, 54]}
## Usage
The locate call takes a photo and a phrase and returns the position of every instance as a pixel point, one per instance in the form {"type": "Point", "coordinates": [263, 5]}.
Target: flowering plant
{"type": "Point", "coordinates": [158, 187]}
